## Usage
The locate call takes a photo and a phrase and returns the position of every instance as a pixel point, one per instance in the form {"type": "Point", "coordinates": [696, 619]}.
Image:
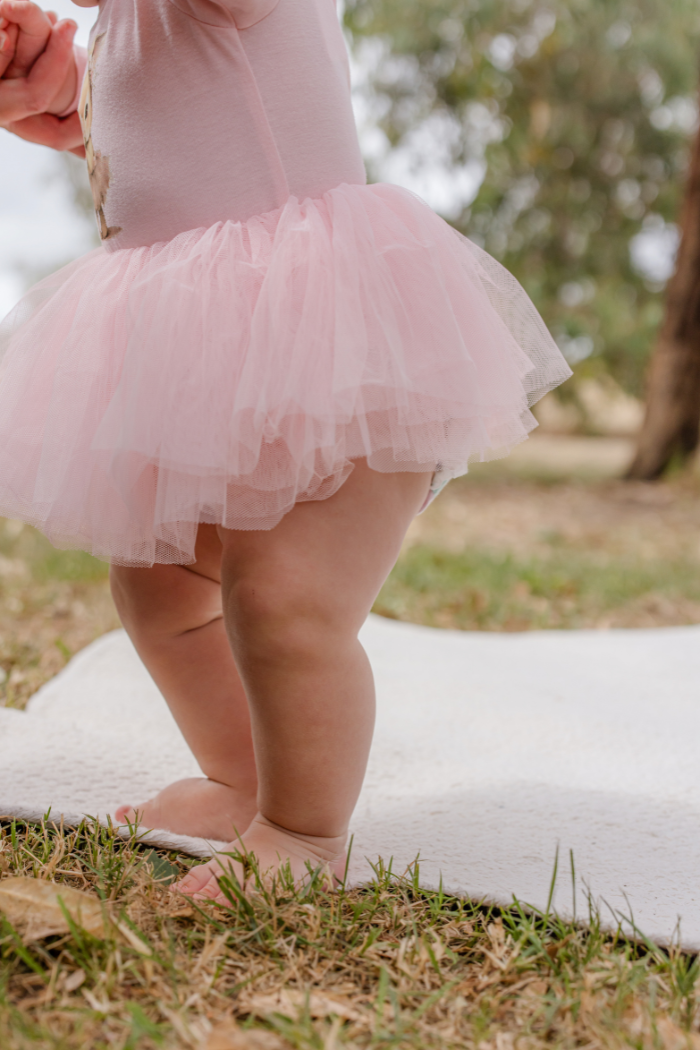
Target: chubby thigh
{"type": "Point", "coordinates": [336, 552]}
{"type": "Point", "coordinates": [343, 546]}
{"type": "Point", "coordinates": [255, 649]}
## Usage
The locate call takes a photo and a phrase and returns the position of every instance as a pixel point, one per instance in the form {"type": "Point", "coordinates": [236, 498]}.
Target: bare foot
{"type": "Point", "coordinates": [196, 806]}
{"type": "Point", "coordinates": [272, 847]}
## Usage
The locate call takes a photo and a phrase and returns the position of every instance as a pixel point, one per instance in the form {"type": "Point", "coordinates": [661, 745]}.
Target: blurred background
{"type": "Point", "coordinates": [44, 221]}
{"type": "Point", "coordinates": [561, 136]}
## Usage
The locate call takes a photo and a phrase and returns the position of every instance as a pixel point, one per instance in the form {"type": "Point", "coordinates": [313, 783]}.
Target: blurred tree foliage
{"type": "Point", "coordinates": [581, 112]}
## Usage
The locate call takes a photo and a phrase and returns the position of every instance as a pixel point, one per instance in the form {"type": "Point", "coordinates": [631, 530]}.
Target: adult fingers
{"type": "Point", "coordinates": [28, 16]}
{"type": "Point", "coordinates": [31, 95]}
{"type": "Point", "coordinates": [8, 43]}
{"type": "Point", "coordinates": [34, 32]}
{"type": "Point", "coordinates": [47, 130]}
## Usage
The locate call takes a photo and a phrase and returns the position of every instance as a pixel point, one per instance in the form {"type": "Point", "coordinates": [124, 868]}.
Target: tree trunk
{"type": "Point", "coordinates": [672, 420]}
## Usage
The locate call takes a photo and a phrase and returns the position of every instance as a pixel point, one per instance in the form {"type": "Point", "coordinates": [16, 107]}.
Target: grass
{"type": "Point", "coordinates": [52, 603]}
{"type": "Point", "coordinates": [519, 554]}
{"type": "Point", "coordinates": [566, 588]}
{"type": "Point", "coordinates": [389, 965]}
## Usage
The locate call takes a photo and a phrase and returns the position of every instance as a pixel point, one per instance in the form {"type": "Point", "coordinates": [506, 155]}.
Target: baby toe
{"type": "Point", "coordinates": [195, 880]}
{"type": "Point", "coordinates": [125, 815]}
{"type": "Point", "coordinates": [211, 892]}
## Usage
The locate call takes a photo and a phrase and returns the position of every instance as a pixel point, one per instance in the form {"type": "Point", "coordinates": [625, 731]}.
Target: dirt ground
{"type": "Point", "coordinates": [504, 510]}
{"type": "Point", "coordinates": [560, 501]}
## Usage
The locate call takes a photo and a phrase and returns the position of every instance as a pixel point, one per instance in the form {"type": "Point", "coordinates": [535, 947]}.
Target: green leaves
{"type": "Point", "coordinates": [581, 112]}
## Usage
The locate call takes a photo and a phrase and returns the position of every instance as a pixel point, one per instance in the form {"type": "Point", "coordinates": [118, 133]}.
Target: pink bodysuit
{"type": "Point", "coordinates": [257, 318]}
{"type": "Point", "coordinates": [207, 111]}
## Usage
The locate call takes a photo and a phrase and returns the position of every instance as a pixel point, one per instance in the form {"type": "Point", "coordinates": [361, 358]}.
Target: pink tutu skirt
{"type": "Point", "coordinates": [234, 371]}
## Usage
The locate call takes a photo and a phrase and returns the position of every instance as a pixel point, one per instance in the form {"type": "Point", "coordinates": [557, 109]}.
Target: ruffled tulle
{"type": "Point", "coordinates": [234, 371]}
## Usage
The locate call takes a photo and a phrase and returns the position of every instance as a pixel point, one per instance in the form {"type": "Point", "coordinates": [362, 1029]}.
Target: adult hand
{"type": "Point", "coordinates": [31, 96]}
{"type": "Point", "coordinates": [58, 133]}
{"type": "Point", "coordinates": [9, 32]}
{"type": "Point", "coordinates": [8, 42]}
{"type": "Point", "coordinates": [33, 28]}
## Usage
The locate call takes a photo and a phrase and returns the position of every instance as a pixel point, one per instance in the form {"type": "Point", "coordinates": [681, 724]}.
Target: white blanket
{"type": "Point", "coordinates": [491, 752]}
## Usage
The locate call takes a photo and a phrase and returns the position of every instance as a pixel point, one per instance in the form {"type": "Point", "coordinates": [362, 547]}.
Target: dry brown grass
{"type": "Point", "coordinates": [51, 605]}
{"type": "Point", "coordinates": [387, 966]}
{"type": "Point", "coordinates": [384, 966]}
{"type": "Point", "coordinates": [499, 551]}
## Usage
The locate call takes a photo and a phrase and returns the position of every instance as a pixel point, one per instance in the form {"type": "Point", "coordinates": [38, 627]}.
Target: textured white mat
{"type": "Point", "coordinates": [490, 751]}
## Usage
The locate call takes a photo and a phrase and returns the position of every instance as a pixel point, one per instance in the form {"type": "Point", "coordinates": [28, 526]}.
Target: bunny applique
{"type": "Point", "coordinates": [97, 163]}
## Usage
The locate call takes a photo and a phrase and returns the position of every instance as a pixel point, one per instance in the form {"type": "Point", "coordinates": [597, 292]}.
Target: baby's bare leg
{"type": "Point", "coordinates": [294, 601]}
{"type": "Point", "coordinates": [173, 615]}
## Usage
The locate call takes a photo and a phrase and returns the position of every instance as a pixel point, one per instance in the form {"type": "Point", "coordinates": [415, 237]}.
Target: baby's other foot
{"type": "Point", "coordinates": [273, 847]}
{"type": "Point", "coordinates": [197, 806]}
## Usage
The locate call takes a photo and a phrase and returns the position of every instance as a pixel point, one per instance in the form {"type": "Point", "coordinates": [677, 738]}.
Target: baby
{"type": "Point", "coordinates": [244, 397]}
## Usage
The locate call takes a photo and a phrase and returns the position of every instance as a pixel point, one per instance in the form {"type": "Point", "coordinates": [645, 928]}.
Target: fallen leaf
{"type": "Point", "coordinates": [588, 1005]}
{"type": "Point", "coordinates": [291, 1001]}
{"type": "Point", "coordinates": [100, 1006]}
{"type": "Point", "coordinates": [33, 906]}
{"type": "Point", "coordinates": [555, 947]}
{"type": "Point", "coordinates": [230, 1036]}
{"type": "Point", "coordinates": [536, 988]}
{"type": "Point", "coordinates": [72, 983]}
{"type": "Point", "coordinates": [134, 940]}
{"type": "Point", "coordinates": [505, 1041]}
{"type": "Point", "coordinates": [672, 1037]}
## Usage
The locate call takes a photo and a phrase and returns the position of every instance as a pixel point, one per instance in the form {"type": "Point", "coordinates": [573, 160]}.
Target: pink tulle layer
{"type": "Point", "coordinates": [234, 371]}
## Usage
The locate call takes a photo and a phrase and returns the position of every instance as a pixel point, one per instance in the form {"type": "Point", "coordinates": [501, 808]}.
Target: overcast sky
{"type": "Point", "coordinates": [39, 227]}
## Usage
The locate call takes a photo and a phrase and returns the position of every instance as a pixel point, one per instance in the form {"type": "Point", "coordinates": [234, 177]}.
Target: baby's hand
{"type": "Point", "coordinates": [24, 33]}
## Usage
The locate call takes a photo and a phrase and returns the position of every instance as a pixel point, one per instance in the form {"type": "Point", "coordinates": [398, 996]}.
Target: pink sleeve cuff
{"type": "Point", "coordinates": [81, 65]}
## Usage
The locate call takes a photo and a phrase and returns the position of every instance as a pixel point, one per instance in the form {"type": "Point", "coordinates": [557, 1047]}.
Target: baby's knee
{"type": "Point", "coordinates": [125, 585]}
{"type": "Point", "coordinates": [164, 600]}
{"type": "Point", "coordinates": [281, 617]}
{"type": "Point", "coordinates": [133, 594]}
